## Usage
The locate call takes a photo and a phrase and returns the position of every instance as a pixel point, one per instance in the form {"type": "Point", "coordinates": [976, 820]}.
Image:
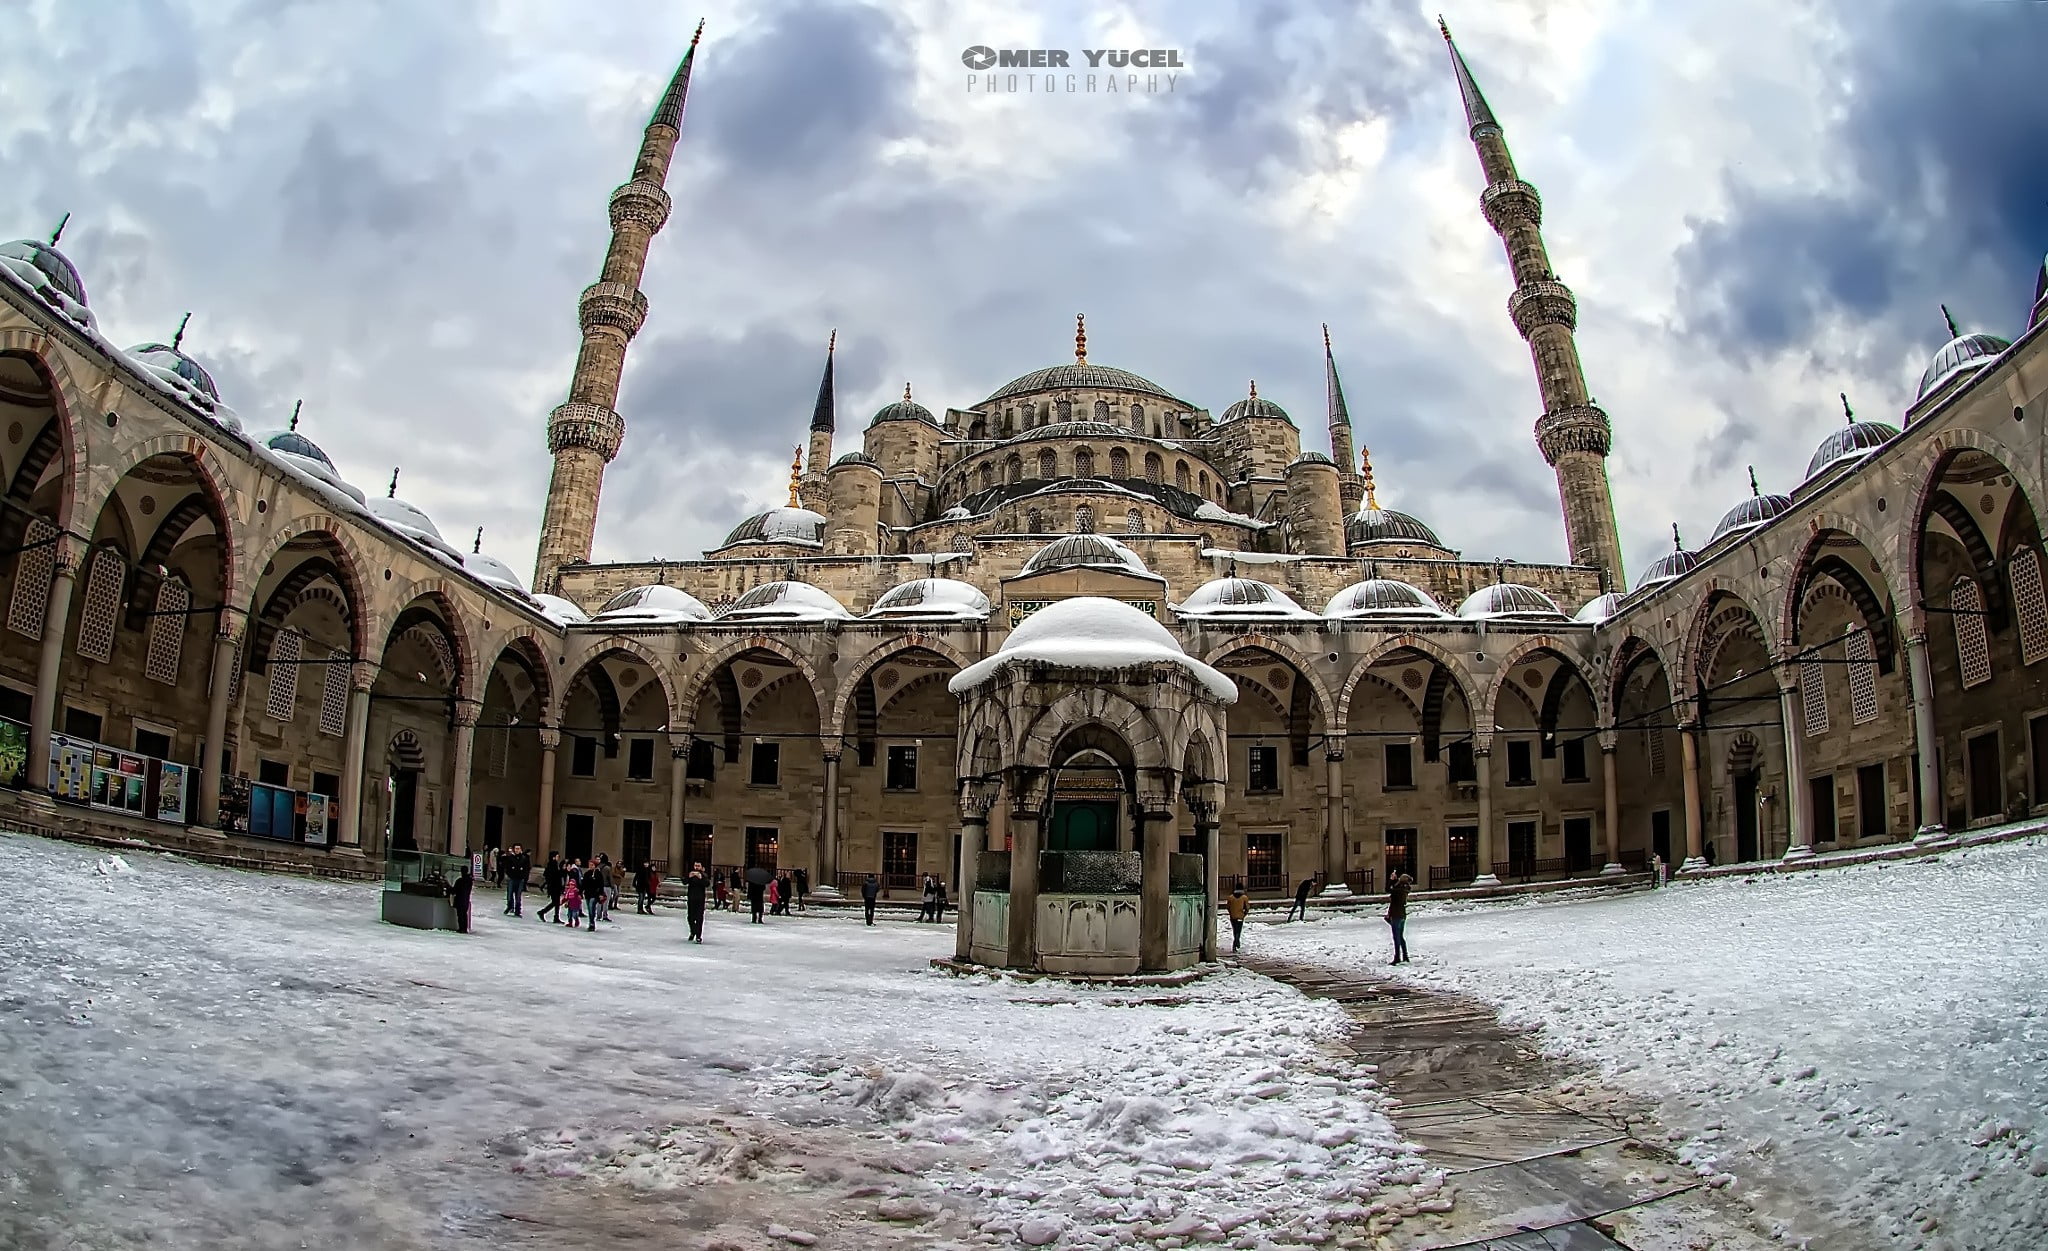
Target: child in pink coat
{"type": "Point", "coordinates": [572, 899]}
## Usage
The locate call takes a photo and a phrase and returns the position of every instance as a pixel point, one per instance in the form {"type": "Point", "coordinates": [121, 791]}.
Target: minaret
{"type": "Point", "coordinates": [815, 493]}
{"type": "Point", "coordinates": [585, 432]}
{"type": "Point", "coordinates": [1574, 434]}
{"type": "Point", "coordinates": [1349, 488]}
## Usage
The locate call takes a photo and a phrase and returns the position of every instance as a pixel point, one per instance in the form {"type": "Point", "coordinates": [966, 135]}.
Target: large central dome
{"type": "Point", "coordinates": [1083, 376]}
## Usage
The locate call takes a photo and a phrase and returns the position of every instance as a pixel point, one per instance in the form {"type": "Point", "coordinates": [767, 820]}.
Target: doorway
{"type": "Point", "coordinates": [577, 828]}
{"type": "Point", "coordinates": [1745, 816]}
{"type": "Point", "coordinates": [1522, 849]}
{"type": "Point", "coordinates": [1822, 789]}
{"type": "Point", "coordinates": [405, 795]}
{"type": "Point", "coordinates": [1870, 814]}
{"type": "Point", "coordinates": [1660, 834]}
{"type": "Point", "coordinates": [1082, 825]}
{"type": "Point", "coordinates": [1578, 844]}
{"type": "Point", "coordinates": [1987, 788]}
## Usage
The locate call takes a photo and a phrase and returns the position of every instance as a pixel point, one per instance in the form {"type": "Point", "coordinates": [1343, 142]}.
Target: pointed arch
{"type": "Point", "coordinates": [448, 620]}
{"type": "Point", "coordinates": [1715, 597]}
{"type": "Point", "coordinates": [1454, 671]}
{"type": "Point", "coordinates": [1319, 690]}
{"type": "Point", "coordinates": [1815, 561]}
{"type": "Point", "coordinates": [1629, 653]}
{"type": "Point", "coordinates": [594, 650]}
{"type": "Point", "coordinates": [346, 563]}
{"type": "Point", "coordinates": [54, 369]}
{"type": "Point", "coordinates": [529, 650]}
{"type": "Point", "coordinates": [214, 477]}
{"type": "Point", "coordinates": [835, 724]}
{"type": "Point", "coordinates": [1504, 676]}
{"type": "Point", "coordinates": [1099, 707]}
{"type": "Point", "coordinates": [713, 661]}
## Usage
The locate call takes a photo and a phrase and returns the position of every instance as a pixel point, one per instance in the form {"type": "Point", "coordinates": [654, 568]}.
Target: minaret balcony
{"type": "Point", "coordinates": [1576, 428]}
{"type": "Point", "coordinates": [592, 426]}
{"type": "Point", "coordinates": [641, 202]}
{"type": "Point", "coordinates": [612, 304]}
{"type": "Point", "coordinates": [1545, 302]}
{"type": "Point", "coordinates": [1511, 202]}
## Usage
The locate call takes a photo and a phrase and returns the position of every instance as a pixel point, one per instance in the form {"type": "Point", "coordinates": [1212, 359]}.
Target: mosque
{"type": "Point", "coordinates": [212, 635]}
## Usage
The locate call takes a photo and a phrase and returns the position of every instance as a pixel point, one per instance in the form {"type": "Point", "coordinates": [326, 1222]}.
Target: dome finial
{"type": "Point", "coordinates": [1754, 490]}
{"type": "Point", "coordinates": [796, 472]}
{"type": "Point", "coordinates": [906, 393]}
{"type": "Point", "coordinates": [831, 342]}
{"type": "Point", "coordinates": [296, 406]}
{"type": "Point", "coordinates": [1255, 388]}
{"type": "Point", "coordinates": [178, 339]}
{"type": "Point", "coordinates": [392, 492]}
{"type": "Point", "coordinates": [1080, 338]}
{"type": "Point", "coordinates": [1372, 499]}
{"type": "Point", "coordinates": [58, 233]}
{"type": "Point", "coordinates": [477, 548]}
{"type": "Point", "coordinates": [1847, 411]}
{"type": "Point", "coordinates": [1326, 338]}
{"type": "Point", "coordinates": [1443, 26]}
{"type": "Point", "coordinates": [1950, 318]}
{"type": "Point", "coordinates": [1677, 544]}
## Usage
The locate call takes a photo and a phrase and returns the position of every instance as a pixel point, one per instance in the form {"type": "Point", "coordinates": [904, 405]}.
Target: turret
{"type": "Point", "coordinates": [1315, 507]}
{"type": "Point", "coordinates": [853, 515]}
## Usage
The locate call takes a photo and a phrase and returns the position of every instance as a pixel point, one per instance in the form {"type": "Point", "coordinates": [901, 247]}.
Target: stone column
{"type": "Point", "coordinates": [1611, 816]}
{"type": "Point", "coordinates": [355, 751]}
{"type": "Point", "coordinates": [462, 751]}
{"type": "Point", "coordinates": [1798, 801]}
{"type": "Point", "coordinates": [974, 805]}
{"type": "Point", "coordinates": [226, 636]}
{"type": "Point", "coordinates": [1155, 899]}
{"type": "Point", "coordinates": [1482, 759]}
{"type": "Point", "coordinates": [544, 817]}
{"type": "Point", "coordinates": [1025, 821]}
{"type": "Point", "coordinates": [678, 786]}
{"type": "Point", "coordinates": [50, 661]}
{"type": "Point", "coordinates": [1210, 831]}
{"type": "Point", "coordinates": [1689, 750]}
{"type": "Point", "coordinates": [1921, 674]}
{"type": "Point", "coordinates": [827, 884]}
{"type": "Point", "coordinates": [1335, 857]}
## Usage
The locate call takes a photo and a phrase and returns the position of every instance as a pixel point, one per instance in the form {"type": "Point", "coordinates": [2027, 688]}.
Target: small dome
{"type": "Point", "coordinates": [1240, 597]}
{"type": "Point", "coordinates": [293, 443]}
{"type": "Point", "coordinates": [1964, 354]}
{"type": "Point", "coordinates": [560, 611]}
{"type": "Point", "coordinates": [1672, 566]}
{"type": "Point", "coordinates": [1750, 514]}
{"type": "Point", "coordinates": [48, 262]}
{"type": "Point", "coordinates": [785, 601]}
{"type": "Point", "coordinates": [493, 572]}
{"type": "Point", "coordinates": [1384, 525]}
{"type": "Point", "coordinates": [403, 516]}
{"type": "Point", "coordinates": [1383, 597]}
{"type": "Point", "coordinates": [1081, 376]}
{"type": "Point", "coordinates": [932, 597]}
{"type": "Point", "coordinates": [1088, 632]}
{"type": "Point", "coordinates": [1852, 442]}
{"type": "Point", "coordinates": [653, 605]}
{"type": "Point", "coordinates": [1254, 405]}
{"type": "Point", "coordinates": [854, 458]}
{"type": "Point", "coordinates": [1510, 601]}
{"type": "Point", "coordinates": [1085, 551]}
{"type": "Point", "coordinates": [905, 409]}
{"type": "Point", "coordinates": [780, 525]}
{"type": "Point", "coordinates": [1598, 609]}
{"type": "Point", "coordinates": [1312, 458]}
{"type": "Point", "coordinates": [163, 359]}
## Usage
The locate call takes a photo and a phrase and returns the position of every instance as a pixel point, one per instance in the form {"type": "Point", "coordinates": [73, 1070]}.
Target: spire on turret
{"type": "Point", "coordinates": [906, 393]}
{"type": "Point", "coordinates": [796, 474]}
{"type": "Point", "coordinates": [1372, 498]}
{"type": "Point", "coordinates": [178, 339]}
{"type": "Point", "coordinates": [1847, 412]}
{"type": "Point", "coordinates": [1255, 389]}
{"type": "Point", "coordinates": [391, 492]}
{"type": "Point", "coordinates": [1080, 338]}
{"type": "Point", "coordinates": [1754, 490]}
{"type": "Point", "coordinates": [476, 548]}
{"type": "Point", "coordinates": [669, 112]}
{"type": "Point", "coordinates": [1677, 544]}
{"type": "Point", "coordinates": [822, 412]}
{"type": "Point", "coordinates": [1950, 318]}
{"type": "Point", "coordinates": [58, 233]}
{"type": "Point", "coordinates": [1477, 113]}
{"type": "Point", "coordinates": [296, 406]}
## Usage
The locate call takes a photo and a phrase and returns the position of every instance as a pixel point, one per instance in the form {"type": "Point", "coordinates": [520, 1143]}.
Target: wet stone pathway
{"type": "Point", "coordinates": [1541, 1156]}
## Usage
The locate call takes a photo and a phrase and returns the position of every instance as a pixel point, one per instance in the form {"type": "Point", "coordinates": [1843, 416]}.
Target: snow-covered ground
{"type": "Point", "coordinates": [193, 1057]}
{"type": "Point", "coordinates": [1865, 1049]}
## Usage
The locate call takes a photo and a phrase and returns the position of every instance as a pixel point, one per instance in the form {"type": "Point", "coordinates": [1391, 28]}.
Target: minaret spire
{"type": "Point", "coordinates": [1573, 433]}
{"type": "Point", "coordinates": [1080, 338]}
{"type": "Point", "coordinates": [296, 406]}
{"type": "Point", "coordinates": [1848, 413]}
{"type": "Point", "coordinates": [1348, 488]}
{"type": "Point", "coordinates": [1755, 491]}
{"type": "Point", "coordinates": [824, 416]}
{"type": "Point", "coordinates": [584, 433]}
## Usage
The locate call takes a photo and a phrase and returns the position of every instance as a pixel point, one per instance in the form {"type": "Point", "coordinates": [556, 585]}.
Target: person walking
{"type": "Point", "coordinates": [802, 881]}
{"type": "Point", "coordinates": [1301, 899]}
{"type": "Point", "coordinates": [551, 882]}
{"type": "Point", "coordinates": [491, 865]}
{"type": "Point", "coordinates": [870, 891]}
{"type": "Point", "coordinates": [572, 896]}
{"type": "Point", "coordinates": [721, 896]}
{"type": "Point", "coordinates": [643, 888]}
{"type": "Point", "coordinates": [593, 893]}
{"type": "Point", "coordinates": [928, 894]}
{"type": "Point", "coordinates": [1397, 914]}
{"type": "Point", "coordinates": [459, 894]}
{"type": "Point", "coordinates": [1237, 906]}
{"type": "Point", "coordinates": [515, 869]}
{"type": "Point", "coordinates": [613, 883]}
{"type": "Point", "coordinates": [695, 887]}
{"type": "Point", "coordinates": [757, 891]}
{"type": "Point", "coordinates": [938, 899]}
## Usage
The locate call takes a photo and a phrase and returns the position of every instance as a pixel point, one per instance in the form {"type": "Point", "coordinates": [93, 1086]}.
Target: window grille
{"type": "Point", "coordinates": [1048, 465]}
{"type": "Point", "coordinates": [1862, 677]}
{"type": "Point", "coordinates": [1813, 690]}
{"type": "Point", "coordinates": [1654, 742]}
{"type": "Point", "coordinates": [96, 618]}
{"type": "Point", "coordinates": [1084, 520]}
{"type": "Point", "coordinates": [1119, 463]}
{"type": "Point", "coordinates": [285, 654]}
{"type": "Point", "coordinates": [33, 573]}
{"type": "Point", "coordinates": [1084, 463]}
{"type": "Point", "coordinates": [334, 694]}
{"type": "Point", "coordinates": [167, 631]}
{"type": "Point", "coordinates": [2029, 598]}
{"type": "Point", "coordinates": [1134, 522]}
{"type": "Point", "coordinates": [1973, 644]}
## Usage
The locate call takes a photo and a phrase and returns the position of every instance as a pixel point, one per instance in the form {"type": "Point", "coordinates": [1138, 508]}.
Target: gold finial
{"type": "Point", "coordinates": [700, 33]}
{"type": "Point", "coordinates": [1372, 499]}
{"type": "Point", "coordinates": [1443, 26]}
{"type": "Point", "coordinates": [796, 471]}
{"type": "Point", "coordinates": [906, 393]}
{"type": "Point", "coordinates": [1080, 338]}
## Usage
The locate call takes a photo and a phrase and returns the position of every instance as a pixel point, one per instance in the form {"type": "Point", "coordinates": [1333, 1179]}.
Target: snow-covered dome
{"type": "Point", "coordinates": [1383, 597]}
{"type": "Point", "coordinates": [291, 443]}
{"type": "Point", "coordinates": [1510, 601]}
{"type": "Point", "coordinates": [1085, 551]}
{"type": "Point", "coordinates": [185, 378]}
{"type": "Point", "coordinates": [652, 605]}
{"type": "Point", "coordinates": [402, 517]}
{"type": "Point", "coordinates": [1088, 632]}
{"type": "Point", "coordinates": [559, 610]}
{"type": "Point", "coordinates": [1232, 598]}
{"type": "Point", "coordinates": [1959, 357]}
{"type": "Point", "coordinates": [1384, 525]}
{"type": "Point", "coordinates": [957, 512]}
{"type": "Point", "coordinates": [780, 525]}
{"type": "Point", "coordinates": [304, 457]}
{"type": "Point", "coordinates": [1311, 458]}
{"type": "Point", "coordinates": [1598, 609]}
{"type": "Point", "coordinates": [785, 601]}
{"type": "Point", "coordinates": [1848, 444]}
{"type": "Point", "coordinates": [932, 597]}
{"type": "Point", "coordinates": [43, 269]}
{"type": "Point", "coordinates": [493, 572]}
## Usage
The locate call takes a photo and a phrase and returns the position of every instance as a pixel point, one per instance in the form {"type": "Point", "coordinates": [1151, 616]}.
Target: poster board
{"type": "Point", "coordinates": [171, 782]}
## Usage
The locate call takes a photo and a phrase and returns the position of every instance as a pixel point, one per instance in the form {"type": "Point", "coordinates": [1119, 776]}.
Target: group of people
{"type": "Point", "coordinates": [1238, 905]}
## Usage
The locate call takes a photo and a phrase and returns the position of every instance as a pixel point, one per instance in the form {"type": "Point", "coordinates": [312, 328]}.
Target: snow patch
{"type": "Point", "coordinates": [1091, 633]}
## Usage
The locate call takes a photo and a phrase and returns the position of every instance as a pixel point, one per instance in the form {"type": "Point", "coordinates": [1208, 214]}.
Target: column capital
{"type": "Point", "coordinates": [833, 754]}
{"type": "Point", "coordinates": [679, 744]}
{"type": "Point", "coordinates": [1334, 755]}
{"type": "Point", "coordinates": [465, 713]}
{"type": "Point", "coordinates": [67, 552]}
{"type": "Point", "coordinates": [362, 675]}
{"type": "Point", "coordinates": [550, 738]}
{"type": "Point", "coordinates": [1609, 740]}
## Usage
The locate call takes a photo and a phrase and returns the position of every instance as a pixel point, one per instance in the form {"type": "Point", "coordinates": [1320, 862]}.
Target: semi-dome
{"type": "Point", "coordinates": [493, 572]}
{"type": "Point", "coordinates": [1254, 405]}
{"type": "Point", "coordinates": [1384, 525]}
{"type": "Point", "coordinates": [932, 597]}
{"type": "Point", "coordinates": [785, 601]}
{"type": "Point", "coordinates": [1510, 601]}
{"type": "Point", "coordinates": [652, 605]}
{"type": "Point", "coordinates": [1850, 443]}
{"type": "Point", "coordinates": [559, 610]}
{"type": "Point", "coordinates": [1962, 355]}
{"type": "Point", "coordinates": [49, 264]}
{"type": "Point", "coordinates": [1383, 597]}
{"type": "Point", "coordinates": [1598, 609]}
{"type": "Point", "coordinates": [1088, 632]}
{"type": "Point", "coordinates": [780, 525]}
{"type": "Point", "coordinates": [1079, 376]}
{"type": "Point", "coordinates": [1085, 551]}
{"type": "Point", "coordinates": [1750, 513]}
{"type": "Point", "coordinates": [1238, 598]}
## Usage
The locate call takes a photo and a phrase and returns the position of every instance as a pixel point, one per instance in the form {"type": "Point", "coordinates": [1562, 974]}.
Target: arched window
{"type": "Point", "coordinates": [988, 476]}
{"type": "Point", "coordinates": [1119, 463]}
{"type": "Point", "coordinates": [1084, 463]}
{"type": "Point", "coordinates": [1134, 522]}
{"type": "Point", "coordinates": [1048, 464]}
{"type": "Point", "coordinates": [1066, 410]}
{"type": "Point", "coordinates": [1084, 520]}
{"type": "Point", "coordinates": [1034, 522]}
{"type": "Point", "coordinates": [1013, 468]}
{"type": "Point", "coordinates": [1030, 414]}
{"type": "Point", "coordinates": [1202, 484]}
{"type": "Point", "coordinates": [167, 631]}
{"type": "Point", "coordinates": [103, 578]}
{"type": "Point", "coordinates": [285, 652]}
{"type": "Point", "coordinates": [2031, 603]}
{"type": "Point", "coordinates": [33, 573]}
{"type": "Point", "coordinates": [1102, 410]}
{"type": "Point", "coordinates": [334, 703]}
{"type": "Point", "coordinates": [1138, 418]}
{"type": "Point", "coordinates": [1973, 645]}
{"type": "Point", "coordinates": [1182, 476]}
{"type": "Point", "coordinates": [1862, 677]}
{"type": "Point", "coordinates": [1009, 422]}
{"type": "Point", "coordinates": [1155, 468]}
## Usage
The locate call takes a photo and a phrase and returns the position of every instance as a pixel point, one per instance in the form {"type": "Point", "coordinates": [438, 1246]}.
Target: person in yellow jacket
{"type": "Point", "coordinates": [1237, 905]}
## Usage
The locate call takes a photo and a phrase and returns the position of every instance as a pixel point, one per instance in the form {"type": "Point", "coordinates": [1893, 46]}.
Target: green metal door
{"type": "Point", "coordinates": [1082, 825]}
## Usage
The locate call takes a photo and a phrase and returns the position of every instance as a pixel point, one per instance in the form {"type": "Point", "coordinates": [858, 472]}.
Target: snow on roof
{"type": "Point", "coordinates": [932, 597]}
{"type": "Point", "coordinates": [18, 261]}
{"type": "Point", "coordinates": [653, 605]}
{"type": "Point", "coordinates": [1232, 598]}
{"type": "Point", "coordinates": [1383, 597]}
{"type": "Point", "coordinates": [1216, 512]}
{"type": "Point", "coordinates": [403, 518]}
{"type": "Point", "coordinates": [785, 601]}
{"type": "Point", "coordinates": [560, 611]}
{"type": "Point", "coordinates": [1088, 632]}
{"type": "Point", "coordinates": [493, 572]}
{"type": "Point", "coordinates": [1250, 558]}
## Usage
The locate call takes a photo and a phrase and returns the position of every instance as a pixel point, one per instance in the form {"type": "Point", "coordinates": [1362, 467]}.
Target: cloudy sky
{"type": "Point", "coordinates": [388, 208]}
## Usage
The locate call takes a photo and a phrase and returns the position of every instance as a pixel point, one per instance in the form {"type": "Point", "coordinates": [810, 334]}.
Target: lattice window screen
{"type": "Point", "coordinates": [1084, 520]}
{"type": "Point", "coordinates": [501, 752]}
{"type": "Point", "coordinates": [1134, 522]}
{"type": "Point", "coordinates": [1862, 677]}
{"type": "Point", "coordinates": [285, 655]}
{"type": "Point", "coordinates": [2028, 597]}
{"type": "Point", "coordinates": [1119, 464]}
{"type": "Point", "coordinates": [167, 631]}
{"type": "Point", "coordinates": [32, 576]}
{"type": "Point", "coordinates": [334, 694]}
{"type": "Point", "coordinates": [96, 616]}
{"type": "Point", "coordinates": [1654, 742]}
{"type": "Point", "coordinates": [1973, 644]}
{"type": "Point", "coordinates": [1813, 689]}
